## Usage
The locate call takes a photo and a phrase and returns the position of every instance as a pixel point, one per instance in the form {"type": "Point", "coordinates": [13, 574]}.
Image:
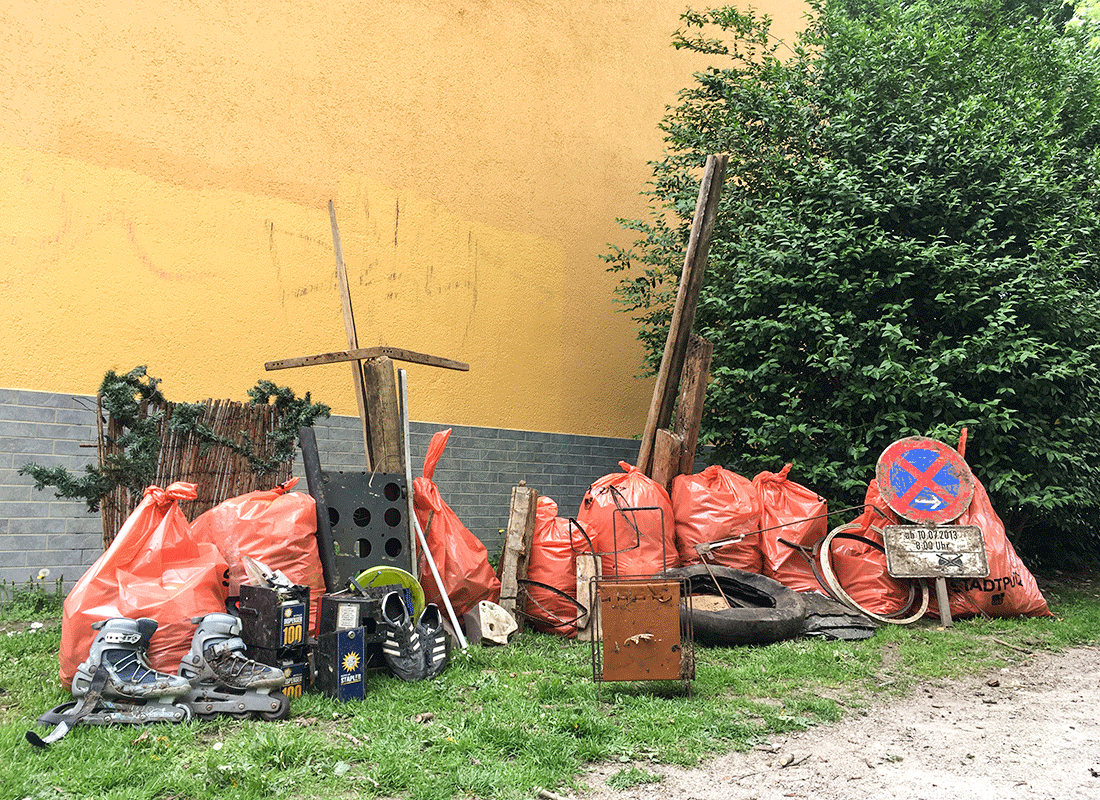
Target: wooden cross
{"type": "Point", "coordinates": [372, 374]}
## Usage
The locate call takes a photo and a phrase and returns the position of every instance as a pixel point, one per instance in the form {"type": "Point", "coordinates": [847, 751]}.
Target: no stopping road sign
{"type": "Point", "coordinates": [924, 480]}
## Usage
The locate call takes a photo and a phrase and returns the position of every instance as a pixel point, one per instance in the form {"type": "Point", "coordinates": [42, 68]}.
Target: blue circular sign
{"type": "Point", "coordinates": [924, 480]}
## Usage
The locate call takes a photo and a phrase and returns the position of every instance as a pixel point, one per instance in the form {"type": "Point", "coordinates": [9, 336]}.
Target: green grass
{"type": "Point", "coordinates": [500, 721]}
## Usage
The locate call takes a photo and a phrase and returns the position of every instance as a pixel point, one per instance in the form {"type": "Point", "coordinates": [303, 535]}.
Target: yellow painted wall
{"type": "Point", "coordinates": [165, 169]}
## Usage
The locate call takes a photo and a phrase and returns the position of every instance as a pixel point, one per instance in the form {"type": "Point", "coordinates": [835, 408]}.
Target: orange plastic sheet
{"type": "Point", "coordinates": [275, 526]}
{"type": "Point", "coordinates": [646, 540]}
{"type": "Point", "coordinates": [718, 504]}
{"type": "Point", "coordinates": [460, 557]}
{"type": "Point", "coordinates": [552, 562]}
{"type": "Point", "coordinates": [153, 568]}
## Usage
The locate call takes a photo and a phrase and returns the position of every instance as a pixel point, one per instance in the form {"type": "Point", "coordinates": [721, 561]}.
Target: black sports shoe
{"type": "Point", "coordinates": [401, 648]}
{"type": "Point", "coordinates": [434, 639]}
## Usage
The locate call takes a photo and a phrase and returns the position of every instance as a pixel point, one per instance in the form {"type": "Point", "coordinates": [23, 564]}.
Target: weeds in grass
{"type": "Point", "coordinates": [631, 777]}
{"type": "Point", "coordinates": [35, 598]}
{"type": "Point", "coordinates": [500, 720]}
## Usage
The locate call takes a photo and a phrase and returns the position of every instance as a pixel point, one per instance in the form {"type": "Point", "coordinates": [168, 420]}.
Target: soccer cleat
{"type": "Point", "coordinates": [434, 640]}
{"type": "Point", "coordinates": [401, 646]}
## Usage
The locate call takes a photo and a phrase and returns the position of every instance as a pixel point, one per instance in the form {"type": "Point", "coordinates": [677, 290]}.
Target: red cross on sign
{"type": "Point", "coordinates": [924, 480]}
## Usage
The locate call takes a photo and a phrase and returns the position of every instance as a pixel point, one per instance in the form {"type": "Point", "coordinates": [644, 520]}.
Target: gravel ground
{"type": "Point", "coordinates": [1029, 730]}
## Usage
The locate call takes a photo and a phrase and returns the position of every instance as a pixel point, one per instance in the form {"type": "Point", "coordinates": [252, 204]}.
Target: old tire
{"type": "Point", "coordinates": [771, 612]}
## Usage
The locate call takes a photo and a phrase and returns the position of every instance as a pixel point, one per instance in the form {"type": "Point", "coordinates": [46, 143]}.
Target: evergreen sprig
{"type": "Point", "coordinates": [133, 462]}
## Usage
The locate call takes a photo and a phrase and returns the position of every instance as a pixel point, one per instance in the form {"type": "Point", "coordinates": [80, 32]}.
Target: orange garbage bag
{"type": "Point", "coordinates": [645, 539]}
{"type": "Point", "coordinates": [860, 568]}
{"type": "Point", "coordinates": [785, 509]}
{"type": "Point", "coordinates": [717, 504]}
{"type": "Point", "coordinates": [552, 562]}
{"type": "Point", "coordinates": [154, 568]}
{"type": "Point", "coordinates": [460, 557]}
{"type": "Point", "coordinates": [1010, 590]}
{"type": "Point", "coordinates": [275, 526]}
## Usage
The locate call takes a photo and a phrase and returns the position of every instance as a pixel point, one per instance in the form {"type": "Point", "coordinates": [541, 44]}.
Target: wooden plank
{"type": "Point", "coordinates": [516, 549]}
{"type": "Point", "coordinates": [364, 353]}
{"type": "Point", "coordinates": [683, 313]}
{"type": "Point", "coordinates": [353, 338]}
{"type": "Point", "coordinates": [689, 408]}
{"type": "Point", "coordinates": [387, 447]}
{"type": "Point", "coordinates": [667, 449]}
{"type": "Point", "coordinates": [588, 626]}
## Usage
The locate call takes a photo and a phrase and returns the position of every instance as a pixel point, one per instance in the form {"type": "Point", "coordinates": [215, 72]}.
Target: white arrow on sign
{"type": "Point", "coordinates": [932, 502]}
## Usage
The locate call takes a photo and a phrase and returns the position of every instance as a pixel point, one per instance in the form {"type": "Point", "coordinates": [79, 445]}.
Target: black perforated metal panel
{"type": "Point", "coordinates": [368, 513]}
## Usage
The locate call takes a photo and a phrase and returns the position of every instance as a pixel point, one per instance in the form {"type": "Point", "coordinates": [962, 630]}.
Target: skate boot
{"type": "Point", "coordinates": [119, 648]}
{"type": "Point", "coordinates": [224, 680]}
{"type": "Point", "coordinates": [116, 685]}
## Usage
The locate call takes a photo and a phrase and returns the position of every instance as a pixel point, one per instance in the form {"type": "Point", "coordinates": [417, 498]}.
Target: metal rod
{"type": "Point", "coordinates": [403, 399]}
{"type": "Point", "coordinates": [463, 644]}
{"type": "Point", "coordinates": [706, 547]}
{"type": "Point", "coordinates": [717, 585]}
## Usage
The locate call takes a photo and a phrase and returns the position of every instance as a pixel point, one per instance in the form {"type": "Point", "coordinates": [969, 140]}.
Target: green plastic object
{"type": "Point", "coordinates": [383, 576]}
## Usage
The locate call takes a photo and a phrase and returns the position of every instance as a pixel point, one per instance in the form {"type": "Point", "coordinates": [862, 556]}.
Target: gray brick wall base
{"type": "Point", "coordinates": [475, 476]}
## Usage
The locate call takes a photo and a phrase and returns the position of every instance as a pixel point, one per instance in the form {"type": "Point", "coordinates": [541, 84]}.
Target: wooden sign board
{"type": "Point", "coordinates": [935, 551]}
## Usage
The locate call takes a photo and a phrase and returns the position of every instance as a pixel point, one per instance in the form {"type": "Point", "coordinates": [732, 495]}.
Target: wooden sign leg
{"type": "Point", "coordinates": [943, 603]}
{"type": "Point", "coordinates": [683, 312]}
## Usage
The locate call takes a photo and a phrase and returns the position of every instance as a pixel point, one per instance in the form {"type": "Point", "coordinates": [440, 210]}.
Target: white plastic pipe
{"type": "Point", "coordinates": [404, 390]}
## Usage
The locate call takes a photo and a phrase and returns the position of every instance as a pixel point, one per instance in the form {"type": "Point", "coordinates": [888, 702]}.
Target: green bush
{"type": "Point", "coordinates": [908, 243]}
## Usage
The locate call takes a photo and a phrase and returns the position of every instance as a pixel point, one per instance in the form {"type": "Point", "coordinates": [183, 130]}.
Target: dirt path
{"type": "Point", "coordinates": [1032, 730]}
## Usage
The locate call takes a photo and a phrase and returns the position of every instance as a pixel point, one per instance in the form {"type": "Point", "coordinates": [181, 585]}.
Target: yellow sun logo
{"type": "Point", "coordinates": [351, 662]}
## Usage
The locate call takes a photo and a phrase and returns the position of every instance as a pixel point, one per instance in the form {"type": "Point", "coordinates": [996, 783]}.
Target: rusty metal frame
{"type": "Point", "coordinates": [631, 521]}
{"type": "Point", "coordinates": [684, 623]}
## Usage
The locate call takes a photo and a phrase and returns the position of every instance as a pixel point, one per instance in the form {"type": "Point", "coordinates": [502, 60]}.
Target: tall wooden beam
{"type": "Point", "coordinates": [667, 452]}
{"type": "Point", "coordinates": [683, 313]}
{"type": "Point", "coordinates": [689, 408]}
{"type": "Point", "coordinates": [372, 375]}
{"type": "Point", "coordinates": [353, 338]}
{"type": "Point", "coordinates": [387, 447]}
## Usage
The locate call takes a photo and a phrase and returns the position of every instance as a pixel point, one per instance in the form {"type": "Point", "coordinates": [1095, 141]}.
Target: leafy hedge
{"type": "Point", "coordinates": [908, 243]}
